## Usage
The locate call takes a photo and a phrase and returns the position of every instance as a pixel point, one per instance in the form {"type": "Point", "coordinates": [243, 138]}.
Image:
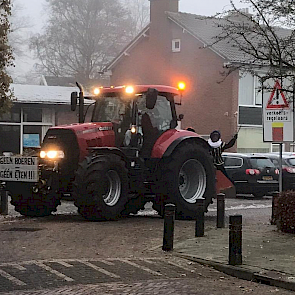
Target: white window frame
{"type": "Point", "coordinates": [22, 124]}
{"type": "Point", "coordinates": [174, 48]}
{"type": "Point", "coordinates": [256, 86]}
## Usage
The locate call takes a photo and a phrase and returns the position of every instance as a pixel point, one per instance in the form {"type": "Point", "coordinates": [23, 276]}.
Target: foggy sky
{"type": "Point", "coordinates": [34, 9]}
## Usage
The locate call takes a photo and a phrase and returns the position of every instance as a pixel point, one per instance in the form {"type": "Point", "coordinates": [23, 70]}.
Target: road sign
{"type": "Point", "coordinates": [277, 98]}
{"type": "Point", "coordinates": [23, 169]}
{"type": "Point", "coordinates": [278, 115]}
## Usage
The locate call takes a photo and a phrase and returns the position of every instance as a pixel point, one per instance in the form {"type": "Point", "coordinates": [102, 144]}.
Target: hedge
{"type": "Point", "coordinates": [285, 211]}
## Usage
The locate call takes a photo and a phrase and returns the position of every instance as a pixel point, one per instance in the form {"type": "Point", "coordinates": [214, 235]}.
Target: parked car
{"type": "Point", "coordinates": [252, 173]}
{"type": "Point", "coordinates": [288, 165]}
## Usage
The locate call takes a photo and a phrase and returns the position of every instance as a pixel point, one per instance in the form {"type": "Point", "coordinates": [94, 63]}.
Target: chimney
{"type": "Point", "coordinates": [158, 8]}
{"type": "Point", "coordinates": [160, 38]}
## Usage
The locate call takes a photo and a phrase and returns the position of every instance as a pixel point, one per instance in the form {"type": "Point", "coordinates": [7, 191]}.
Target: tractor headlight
{"type": "Point", "coordinates": [133, 129]}
{"type": "Point", "coordinates": [42, 154]}
{"type": "Point", "coordinates": [52, 154]}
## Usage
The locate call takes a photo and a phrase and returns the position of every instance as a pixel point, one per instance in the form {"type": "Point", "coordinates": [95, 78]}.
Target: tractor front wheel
{"type": "Point", "coordinates": [101, 187]}
{"type": "Point", "coordinates": [30, 203]}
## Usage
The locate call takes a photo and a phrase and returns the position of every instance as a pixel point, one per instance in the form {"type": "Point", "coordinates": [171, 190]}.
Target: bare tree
{"type": "Point", "coordinates": [81, 37]}
{"type": "Point", "coordinates": [19, 24]}
{"type": "Point", "coordinates": [6, 58]}
{"type": "Point", "coordinates": [18, 39]}
{"type": "Point", "coordinates": [265, 37]}
{"type": "Point", "coordinates": [140, 14]}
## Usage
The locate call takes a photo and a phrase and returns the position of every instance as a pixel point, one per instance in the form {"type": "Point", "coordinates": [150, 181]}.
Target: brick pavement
{"type": "Point", "coordinates": [157, 287]}
{"type": "Point", "coordinates": [154, 275]}
{"type": "Point", "coordinates": [58, 272]}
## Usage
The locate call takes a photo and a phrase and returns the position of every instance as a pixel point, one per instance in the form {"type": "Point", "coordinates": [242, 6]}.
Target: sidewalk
{"type": "Point", "coordinates": [268, 255]}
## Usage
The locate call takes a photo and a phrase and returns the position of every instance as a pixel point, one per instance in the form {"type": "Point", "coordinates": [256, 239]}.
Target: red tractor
{"type": "Point", "coordinates": [131, 153]}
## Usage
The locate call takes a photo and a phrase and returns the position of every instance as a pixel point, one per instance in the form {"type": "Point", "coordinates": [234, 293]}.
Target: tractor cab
{"type": "Point", "coordinates": [139, 114]}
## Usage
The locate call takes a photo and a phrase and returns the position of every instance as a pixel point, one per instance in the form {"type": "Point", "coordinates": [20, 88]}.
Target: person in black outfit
{"type": "Point", "coordinates": [218, 147]}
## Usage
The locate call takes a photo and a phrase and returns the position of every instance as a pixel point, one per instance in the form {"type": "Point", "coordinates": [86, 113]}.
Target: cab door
{"type": "Point", "coordinates": [154, 121]}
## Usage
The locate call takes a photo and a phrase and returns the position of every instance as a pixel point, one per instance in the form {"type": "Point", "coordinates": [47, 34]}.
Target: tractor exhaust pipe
{"type": "Point", "coordinates": [81, 103]}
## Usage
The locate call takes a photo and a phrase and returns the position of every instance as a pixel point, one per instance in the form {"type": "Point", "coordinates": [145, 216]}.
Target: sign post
{"type": "Point", "coordinates": [278, 118]}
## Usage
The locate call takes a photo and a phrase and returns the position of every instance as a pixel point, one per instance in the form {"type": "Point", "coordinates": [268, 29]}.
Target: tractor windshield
{"type": "Point", "coordinates": [118, 110]}
{"type": "Point", "coordinates": [111, 109]}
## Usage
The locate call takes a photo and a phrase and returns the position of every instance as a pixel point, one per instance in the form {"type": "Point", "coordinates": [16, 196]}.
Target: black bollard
{"type": "Point", "coordinates": [235, 240]}
{"type": "Point", "coordinates": [220, 210]}
{"type": "Point", "coordinates": [199, 229]}
{"type": "Point", "coordinates": [274, 207]}
{"type": "Point", "coordinates": [169, 217]}
{"type": "Point", "coordinates": [4, 202]}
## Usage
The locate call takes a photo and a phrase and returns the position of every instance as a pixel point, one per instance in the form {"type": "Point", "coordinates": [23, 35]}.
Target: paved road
{"type": "Point", "coordinates": [242, 205]}
{"type": "Point", "coordinates": [121, 276]}
{"type": "Point", "coordinates": [63, 254]}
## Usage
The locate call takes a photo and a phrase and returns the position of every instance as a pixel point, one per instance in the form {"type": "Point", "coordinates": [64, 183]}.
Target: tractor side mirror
{"type": "Point", "coordinates": [74, 99]}
{"type": "Point", "coordinates": [151, 98]}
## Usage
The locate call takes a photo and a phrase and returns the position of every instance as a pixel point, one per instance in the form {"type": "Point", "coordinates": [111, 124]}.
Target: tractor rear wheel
{"type": "Point", "coordinates": [100, 188]}
{"type": "Point", "coordinates": [30, 203]}
{"type": "Point", "coordinates": [186, 176]}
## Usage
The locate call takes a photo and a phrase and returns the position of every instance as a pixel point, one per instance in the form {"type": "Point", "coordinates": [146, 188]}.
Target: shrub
{"type": "Point", "coordinates": [285, 211]}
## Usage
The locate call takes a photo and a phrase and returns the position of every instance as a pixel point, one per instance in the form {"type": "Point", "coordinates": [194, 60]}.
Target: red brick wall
{"type": "Point", "coordinates": [208, 103]}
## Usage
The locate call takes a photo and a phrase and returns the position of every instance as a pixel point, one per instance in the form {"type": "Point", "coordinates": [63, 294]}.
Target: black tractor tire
{"type": "Point", "coordinates": [187, 175]}
{"type": "Point", "coordinates": [29, 203]}
{"type": "Point", "coordinates": [100, 189]}
{"type": "Point", "coordinates": [134, 204]}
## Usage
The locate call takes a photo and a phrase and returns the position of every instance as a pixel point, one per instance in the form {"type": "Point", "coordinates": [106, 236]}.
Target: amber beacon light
{"type": "Point", "coordinates": [181, 86]}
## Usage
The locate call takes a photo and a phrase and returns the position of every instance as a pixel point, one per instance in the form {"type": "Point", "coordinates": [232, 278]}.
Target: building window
{"type": "Point", "coordinates": [175, 45]}
{"type": "Point", "coordinates": [9, 142]}
{"type": "Point", "coordinates": [24, 128]}
{"type": "Point", "coordinates": [250, 93]}
{"type": "Point", "coordinates": [249, 115]}
{"type": "Point", "coordinates": [13, 116]}
{"type": "Point", "coordinates": [32, 115]}
{"type": "Point", "coordinates": [32, 136]}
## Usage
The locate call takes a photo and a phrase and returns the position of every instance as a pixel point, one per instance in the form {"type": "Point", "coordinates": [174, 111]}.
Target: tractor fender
{"type": "Point", "coordinates": [169, 141]}
{"type": "Point", "coordinates": [108, 150]}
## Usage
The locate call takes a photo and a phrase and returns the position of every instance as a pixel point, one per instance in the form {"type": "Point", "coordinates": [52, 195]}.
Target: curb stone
{"type": "Point", "coordinates": [249, 273]}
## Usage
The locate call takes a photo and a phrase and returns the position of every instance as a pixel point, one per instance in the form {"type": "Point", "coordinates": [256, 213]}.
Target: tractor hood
{"type": "Point", "coordinates": [87, 135]}
{"type": "Point", "coordinates": [86, 127]}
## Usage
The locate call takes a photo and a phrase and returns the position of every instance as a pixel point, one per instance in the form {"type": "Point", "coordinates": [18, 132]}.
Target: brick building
{"type": "Point", "coordinates": [176, 46]}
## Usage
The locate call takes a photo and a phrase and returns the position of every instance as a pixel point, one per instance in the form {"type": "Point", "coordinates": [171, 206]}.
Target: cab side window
{"type": "Point", "coordinates": [163, 109]}
{"type": "Point", "coordinates": [160, 115]}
